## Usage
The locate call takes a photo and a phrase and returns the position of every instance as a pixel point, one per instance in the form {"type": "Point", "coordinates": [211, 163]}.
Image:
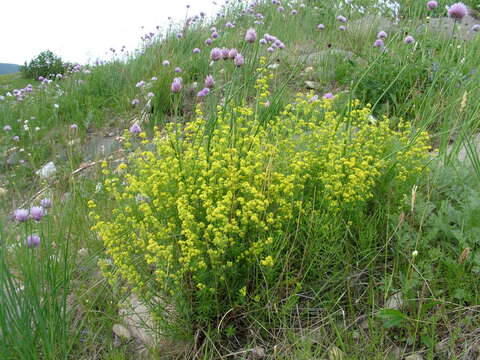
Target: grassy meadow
{"type": "Point", "coordinates": [285, 180]}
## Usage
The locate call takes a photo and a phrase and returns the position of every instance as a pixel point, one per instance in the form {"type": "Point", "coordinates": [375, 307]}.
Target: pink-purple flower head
{"type": "Point", "coordinates": [154, 78]}
{"type": "Point", "coordinates": [46, 203]}
{"type": "Point", "coordinates": [208, 41]}
{"type": "Point", "coordinates": [21, 215]}
{"type": "Point", "coordinates": [214, 35]}
{"type": "Point", "coordinates": [263, 41]}
{"type": "Point", "coordinates": [229, 25]}
{"type": "Point", "coordinates": [73, 127]}
{"type": "Point", "coordinates": [270, 49]}
{"type": "Point", "coordinates": [328, 95]}
{"type": "Point", "coordinates": [342, 28]}
{"type": "Point", "coordinates": [232, 53]}
{"type": "Point", "coordinates": [178, 70]}
{"type": "Point", "coordinates": [204, 92]}
{"type": "Point", "coordinates": [37, 213]}
{"type": "Point", "coordinates": [179, 35]}
{"type": "Point", "coordinates": [209, 81]}
{"type": "Point", "coordinates": [409, 39]}
{"type": "Point", "coordinates": [239, 60]}
{"type": "Point", "coordinates": [135, 128]}
{"type": "Point", "coordinates": [379, 43]}
{"type": "Point", "coordinates": [135, 102]}
{"type": "Point", "coordinates": [342, 19]}
{"type": "Point", "coordinates": [225, 53]}
{"type": "Point", "coordinates": [196, 51]}
{"type": "Point", "coordinates": [321, 27]}
{"type": "Point", "coordinates": [7, 128]}
{"type": "Point", "coordinates": [140, 84]}
{"type": "Point", "coordinates": [216, 54]}
{"type": "Point", "coordinates": [176, 85]}
{"type": "Point", "coordinates": [280, 9]}
{"type": "Point", "coordinates": [33, 241]}
{"type": "Point", "coordinates": [150, 95]}
{"type": "Point", "coordinates": [293, 12]}
{"type": "Point", "coordinates": [166, 63]}
{"type": "Point", "coordinates": [16, 138]}
{"type": "Point", "coordinates": [251, 35]}
{"type": "Point", "coordinates": [382, 35]}
{"type": "Point", "coordinates": [457, 11]}
{"type": "Point", "coordinates": [432, 5]}
{"type": "Point", "coordinates": [476, 28]}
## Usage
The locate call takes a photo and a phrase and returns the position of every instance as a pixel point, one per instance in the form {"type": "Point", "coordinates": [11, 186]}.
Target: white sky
{"type": "Point", "coordinates": [83, 30]}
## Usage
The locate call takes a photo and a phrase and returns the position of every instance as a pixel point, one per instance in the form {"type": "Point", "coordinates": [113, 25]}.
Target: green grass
{"type": "Point", "coordinates": [55, 304]}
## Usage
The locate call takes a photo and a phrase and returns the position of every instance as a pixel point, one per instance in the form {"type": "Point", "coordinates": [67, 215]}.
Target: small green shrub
{"type": "Point", "coordinates": [45, 64]}
{"type": "Point", "coordinates": [205, 216]}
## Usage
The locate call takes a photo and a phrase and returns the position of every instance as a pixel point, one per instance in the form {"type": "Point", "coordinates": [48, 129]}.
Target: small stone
{"type": "Point", "coordinates": [47, 170]}
{"type": "Point", "coordinates": [312, 85]}
{"type": "Point", "coordinates": [83, 252]}
{"type": "Point", "coordinates": [395, 302]}
{"type": "Point", "coordinates": [334, 353]}
{"type": "Point", "coordinates": [415, 356]}
{"type": "Point", "coordinates": [2, 191]}
{"type": "Point", "coordinates": [258, 352]}
{"type": "Point", "coordinates": [121, 331]}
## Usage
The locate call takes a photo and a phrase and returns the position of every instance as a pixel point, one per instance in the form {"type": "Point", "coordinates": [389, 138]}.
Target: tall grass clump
{"type": "Point", "coordinates": [208, 216]}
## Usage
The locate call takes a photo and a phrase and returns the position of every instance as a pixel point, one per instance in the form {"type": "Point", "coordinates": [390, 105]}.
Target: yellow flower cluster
{"type": "Point", "coordinates": [204, 209]}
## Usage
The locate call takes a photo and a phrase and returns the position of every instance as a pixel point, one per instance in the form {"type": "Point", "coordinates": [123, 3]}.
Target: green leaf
{"type": "Point", "coordinates": [391, 318]}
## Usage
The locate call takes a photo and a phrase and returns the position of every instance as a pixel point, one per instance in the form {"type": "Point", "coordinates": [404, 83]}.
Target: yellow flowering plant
{"type": "Point", "coordinates": [202, 212]}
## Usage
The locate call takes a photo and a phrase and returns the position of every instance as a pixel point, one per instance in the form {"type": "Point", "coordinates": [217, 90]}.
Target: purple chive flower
{"type": "Point", "coordinates": [150, 95]}
{"type": "Point", "coordinates": [7, 128]}
{"type": "Point", "coordinates": [20, 215]}
{"type": "Point", "coordinates": [140, 84]}
{"type": "Point", "coordinates": [176, 85]}
{"type": "Point", "coordinates": [204, 92]}
{"type": "Point", "coordinates": [251, 35]}
{"type": "Point", "coordinates": [208, 41]}
{"type": "Point", "coordinates": [154, 78]}
{"type": "Point", "coordinates": [342, 28]}
{"type": "Point", "coordinates": [457, 11]}
{"type": "Point", "coordinates": [321, 27]}
{"type": "Point", "coordinates": [196, 51]}
{"type": "Point", "coordinates": [37, 213]}
{"type": "Point", "coordinates": [225, 53]}
{"type": "Point", "coordinates": [342, 19]}
{"type": "Point", "coordinates": [232, 53]}
{"type": "Point", "coordinates": [33, 241]}
{"type": "Point", "coordinates": [409, 39]}
{"type": "Point", "coordinates": [178, 69]}
{"type": "Point", "coordinates": [229, 25]}
{"type": "Point", "coordinates": [280, 9]}
{"type": "Point", "coordinates": [239, 60]}
{"type": "Point", "coordinates": [476, 27]}
{"type": "Point", "coordinates": [378, 43]}
{"type": "Point", "coordinates": [294, 12]}
{"type": "Point", "coordinates": [214, 35]}
{"type": "Point", "coordinates": [216, 54]}
{"type": "Point", "coordinates": [165, 63]}
{"type": "Point", "coordinates": [179, 35]}
{"type": "Point", "coordinates": [135, 102]}
{"type": "Point", "coordinates": [16, 138]}
{"type": "Point", "coordinates": [270, 49]}
{"type": "Point", "coordinates": [432, 5]}
{"type": "Point", "coordinates": [73, 127]}
{"type": "Point", "coordinates": [263, 42]}
{"type": "Point", "coordinates": [46, 203]}
{"type": "Point", "coordinates": [135, 128]}
{"type": "Point", "coordinates": [382, 35]}
{"type": "Point", "coordinates": [328, 95]}
{"type": "Point", "coordinates": [209, 81]}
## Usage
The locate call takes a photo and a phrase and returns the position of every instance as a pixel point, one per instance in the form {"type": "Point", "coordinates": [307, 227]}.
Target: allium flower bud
{"type": "Point", "coordinates": [21, 215]}
{"type": "Point", "coordinates": [46, 203]}
{"type": "Point", "coordinates": [378, 43]}
{"type": "Point", "coordinates": [196, 51]}
{"type": "Point", "coordinates": [135, 102]}
{"type": "Point", "coordinates": [342, 19]}
{"type": "Point", "coordinates": [382, 35]}
{"type": "Point", "coordinates": [321, 27]}
{"type": "Point", "coordinates": [251, 35]}
{"type": "Point", "coordinates": [165, 63]}
{"type": "Point", "coordinates": [216, 54]}
{"type": "Point", "coordinates": [232, 53]}
{"type": "Point", "coordinates": [176, 85]}
{"type": "Point", "coordinates": [328, 95]}
{"type": "Point", "coordinates": [135, 128]}
{"type": "Point", "coordinates": [239, 60]}
{"type": "Point", "coordinates": [457, 11]}
{"type": "Point", "coordinates": [209, 81]}
{"type": "Point", "coordinates": [208, 41]}
{"type": "Point", "coordinates": [37, 213]}
{"type": "Point", "coordinates": [204, 92]}
{"type": "Point", "coordinates": [409, 39]}
{"type": "Point", "coordinates": [33, 241]}
{"type": "Point", "coordinates": [432, 4]}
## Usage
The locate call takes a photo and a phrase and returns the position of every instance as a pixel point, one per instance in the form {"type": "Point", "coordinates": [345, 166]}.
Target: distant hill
{"type": "Point", "coordinates": [8, 68]}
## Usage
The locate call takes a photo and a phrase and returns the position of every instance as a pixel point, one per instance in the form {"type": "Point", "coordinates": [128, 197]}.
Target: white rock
{"type": "Point", "coordinates": [138, 320]}
{"type": "Point", "coordinates": [121, 331]}
{"type": "Point", "coordinates": [414, 357]}
{"type": "Point", "coordinates": [394, 302]}
{"type": "Point", "coordinates": [47, 170]}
